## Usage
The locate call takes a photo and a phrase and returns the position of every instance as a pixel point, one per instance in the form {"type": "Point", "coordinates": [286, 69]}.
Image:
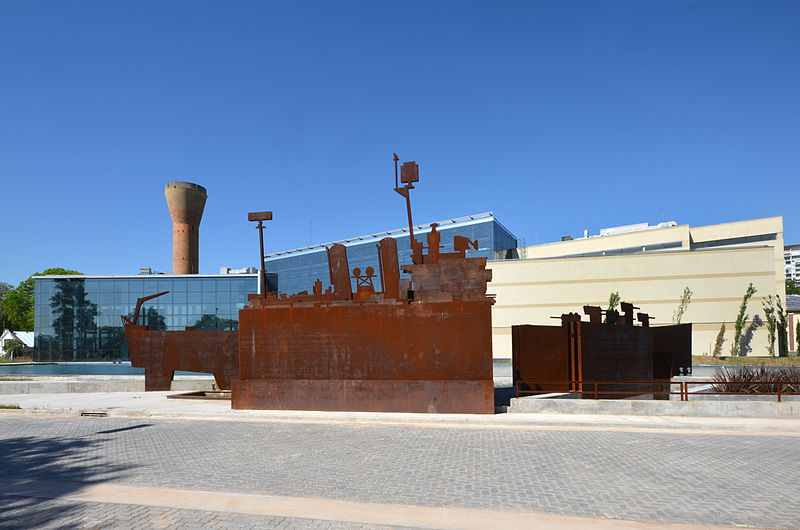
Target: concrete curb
{"type": "Point", "coordinates": [155, 405]}
{"type": "Point", "coordinates": [694, 408]}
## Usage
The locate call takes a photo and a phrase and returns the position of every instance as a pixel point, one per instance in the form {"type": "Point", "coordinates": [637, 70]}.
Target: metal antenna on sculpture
{"type": "Point", "coordinates": [260, 217]}
{"type": "Point", "coordinates": [409, 173]}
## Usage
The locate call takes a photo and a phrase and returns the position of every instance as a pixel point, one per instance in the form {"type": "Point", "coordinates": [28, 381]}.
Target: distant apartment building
{"type": "Point", "coordinates": [791, 262]}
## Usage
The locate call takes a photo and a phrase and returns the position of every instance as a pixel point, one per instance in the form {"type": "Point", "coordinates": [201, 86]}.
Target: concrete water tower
{"type": "Point", "coordinates": [185, 201]}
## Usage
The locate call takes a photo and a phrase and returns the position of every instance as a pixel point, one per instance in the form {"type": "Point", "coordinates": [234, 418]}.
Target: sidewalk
{"type": "Point", "coordinates": [156, 405]}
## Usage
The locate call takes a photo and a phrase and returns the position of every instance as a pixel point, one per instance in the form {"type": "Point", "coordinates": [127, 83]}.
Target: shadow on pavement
{"type": "Point", "coordinates": [503, 395]}
{"type": "Point", "coordinates": [67, 463]}
{"type": "Point", "coordinates": [129, 428]}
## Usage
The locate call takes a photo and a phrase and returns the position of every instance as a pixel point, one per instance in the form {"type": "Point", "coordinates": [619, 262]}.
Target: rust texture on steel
{"type": "Point", "coordinates": [396, 344]}
{"type": "Point", "coordinates": [161, 352]}
{"type": "Point", "coordinates": [561, 358]}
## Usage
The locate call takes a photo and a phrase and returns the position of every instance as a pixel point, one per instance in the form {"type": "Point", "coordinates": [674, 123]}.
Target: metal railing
{"type": "Point", "coordinates": [593, 388]}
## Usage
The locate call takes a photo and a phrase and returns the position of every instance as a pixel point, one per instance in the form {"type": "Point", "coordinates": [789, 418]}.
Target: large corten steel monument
{"type": "Point", "coordinates": [413, 345]}
{"type": "Point", "coordinates": [186, 202]}
{"type": "Point", "coordinates": [410, 344]}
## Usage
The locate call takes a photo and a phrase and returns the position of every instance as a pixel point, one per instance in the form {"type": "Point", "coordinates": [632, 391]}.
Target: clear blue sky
{"type": "Point", "coordinates": [558, 116]}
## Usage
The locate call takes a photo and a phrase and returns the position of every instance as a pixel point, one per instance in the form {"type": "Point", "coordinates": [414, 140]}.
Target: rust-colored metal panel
{"type": "Point", "coordinates": [369, 341]}
{"type": "Point", "coordinates": [339, 272]}
{"type": "Point", "coordinates": [539, 353]}
{"type": "Point", "coordinates": [616, 353]}
{"type": "Point", "coordinates": [390, 268]}
{"type": "Point", "coordinates": [161, 353]}
{"type": "Point", "coordinates": [466, 397]}
{"type": "Point", "coordinates": [672, 346]}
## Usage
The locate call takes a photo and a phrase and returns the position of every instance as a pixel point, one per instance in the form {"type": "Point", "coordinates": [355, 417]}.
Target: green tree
{"type": "Point", "coordinates": [13, 348]}
{"type": "Point", "coordinates": [17, 304]}
{"type": "Point", "coordinates": [741, 320]}
{"type": "Point", "coordinates": [5, 288]}
{"type": "Point", "coordinates": [211, 322]}
{"type": "Point", "coordinates": [685, 298]}
{"type": "Point", "coordinates": [74, 316]}
{"type": "Point", "coordinates": [613, 301]}
{"type": "Point", "coordinates": [772, 323]}
{"type": "Point", "coordinates": [783, 329]}
{"type": "Point", "coordinates": [792, 287]}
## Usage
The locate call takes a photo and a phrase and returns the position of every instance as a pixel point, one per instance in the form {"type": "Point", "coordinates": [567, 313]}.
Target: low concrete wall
{"type": "Point", "coordinates": [726, 409]}
{"type": "Point", "coordinates": [58, 385]}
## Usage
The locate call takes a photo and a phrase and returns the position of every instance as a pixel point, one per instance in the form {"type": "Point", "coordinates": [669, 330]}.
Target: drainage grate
{"type": "Point", "coordinates": [95, 413]}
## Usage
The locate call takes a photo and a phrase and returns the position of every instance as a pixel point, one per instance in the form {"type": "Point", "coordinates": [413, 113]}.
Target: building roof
{"type": "Point", "coordinates": [26, 337]}
{"type": "Point", "coordinates": [142, 276]}
{"type": "Point", "coordinates": [793, 301]}
{"type": "Point", "coordinates": [397, 232]}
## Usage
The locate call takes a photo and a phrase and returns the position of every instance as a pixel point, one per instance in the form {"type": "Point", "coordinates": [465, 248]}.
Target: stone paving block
{"type": "Point", "coordinates": [668, 477]}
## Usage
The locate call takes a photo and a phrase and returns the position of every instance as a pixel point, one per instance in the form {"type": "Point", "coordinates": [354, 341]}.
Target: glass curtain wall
{"type": "Point", "coordinates": [298, 271]}
{"type": "Point", "coordinates": [78, 318]}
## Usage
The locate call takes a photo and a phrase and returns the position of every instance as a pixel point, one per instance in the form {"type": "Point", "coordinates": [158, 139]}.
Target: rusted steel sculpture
{"type": "Point", "coordinates": [419, 345]}
{"type": "Point", "coordinates": [583, 356]}
{"type": "Point", "coordinates": [161, 352]}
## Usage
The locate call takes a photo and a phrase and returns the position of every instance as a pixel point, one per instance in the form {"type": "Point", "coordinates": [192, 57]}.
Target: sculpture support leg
{"type": "Point", "coordinates": [158, 380]}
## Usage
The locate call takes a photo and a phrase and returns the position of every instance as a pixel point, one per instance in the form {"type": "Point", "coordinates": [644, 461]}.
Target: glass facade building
{"type": "Point", "coordinates": [298, 269]}
{"type": "Point", "coordinates": [77, 318]}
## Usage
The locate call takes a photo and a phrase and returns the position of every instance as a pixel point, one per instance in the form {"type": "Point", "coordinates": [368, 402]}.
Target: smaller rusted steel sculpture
{"type": "Point", "coordinates": [162, 352]}
{"type": "Point", "coordinates": [591, 357]}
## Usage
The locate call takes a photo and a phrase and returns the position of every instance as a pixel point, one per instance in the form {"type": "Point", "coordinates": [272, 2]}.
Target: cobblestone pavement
{"type": "Point", "coordinates": [721, 479]}
{"type": "Point", "coordinates": [23, 513]}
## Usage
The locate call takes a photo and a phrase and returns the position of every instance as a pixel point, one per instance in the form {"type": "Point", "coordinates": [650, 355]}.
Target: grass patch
{"type": "Point", "coordinates": [21, 359]}
{"type": "Point", "coordinates": [10, 407]}
{"type": "Point", "coordinates": [707, 360]}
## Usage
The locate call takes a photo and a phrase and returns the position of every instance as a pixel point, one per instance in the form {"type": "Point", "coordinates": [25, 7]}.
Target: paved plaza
{"type": "Point", "coordinates": [244, 474]}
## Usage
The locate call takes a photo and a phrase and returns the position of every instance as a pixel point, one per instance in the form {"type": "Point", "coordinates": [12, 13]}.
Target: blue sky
{"type": "Point", "coordinates": [557, 116]}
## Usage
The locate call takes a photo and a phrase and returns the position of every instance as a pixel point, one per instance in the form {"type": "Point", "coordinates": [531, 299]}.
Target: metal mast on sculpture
{"type": "Point", "coordinates": [409, 173]}
{"type": "Point", "coordinates": [260, 217]}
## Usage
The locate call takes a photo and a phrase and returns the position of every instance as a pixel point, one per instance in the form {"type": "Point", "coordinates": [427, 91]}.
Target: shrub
{"type": "Point", "coordinates": [721, 339]}
{"type": "Point", "coordinates": [748, 380]}
{"type": "Point", "coordinates": [741, 320]}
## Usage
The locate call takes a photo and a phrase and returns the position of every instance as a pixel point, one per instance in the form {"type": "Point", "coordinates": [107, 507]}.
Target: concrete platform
{"type": "Point", "coordinates": [727, 408]}
{"type": "Point", "coordinates": [156, 405]}
{"type": "Point", "coordinates": [66, 384]}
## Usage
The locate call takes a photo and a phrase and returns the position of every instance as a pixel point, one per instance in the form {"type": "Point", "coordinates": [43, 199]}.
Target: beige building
{"type": "Point", "coordinates": [649, 267]}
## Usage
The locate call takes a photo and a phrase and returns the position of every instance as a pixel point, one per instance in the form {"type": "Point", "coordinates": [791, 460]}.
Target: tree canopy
{"type": "Point", "coordinates": [16, 307]}
{"type": "Point", "coordinates": [792, 287]}
{"type": "Point", "coordinates": [5, 288]}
